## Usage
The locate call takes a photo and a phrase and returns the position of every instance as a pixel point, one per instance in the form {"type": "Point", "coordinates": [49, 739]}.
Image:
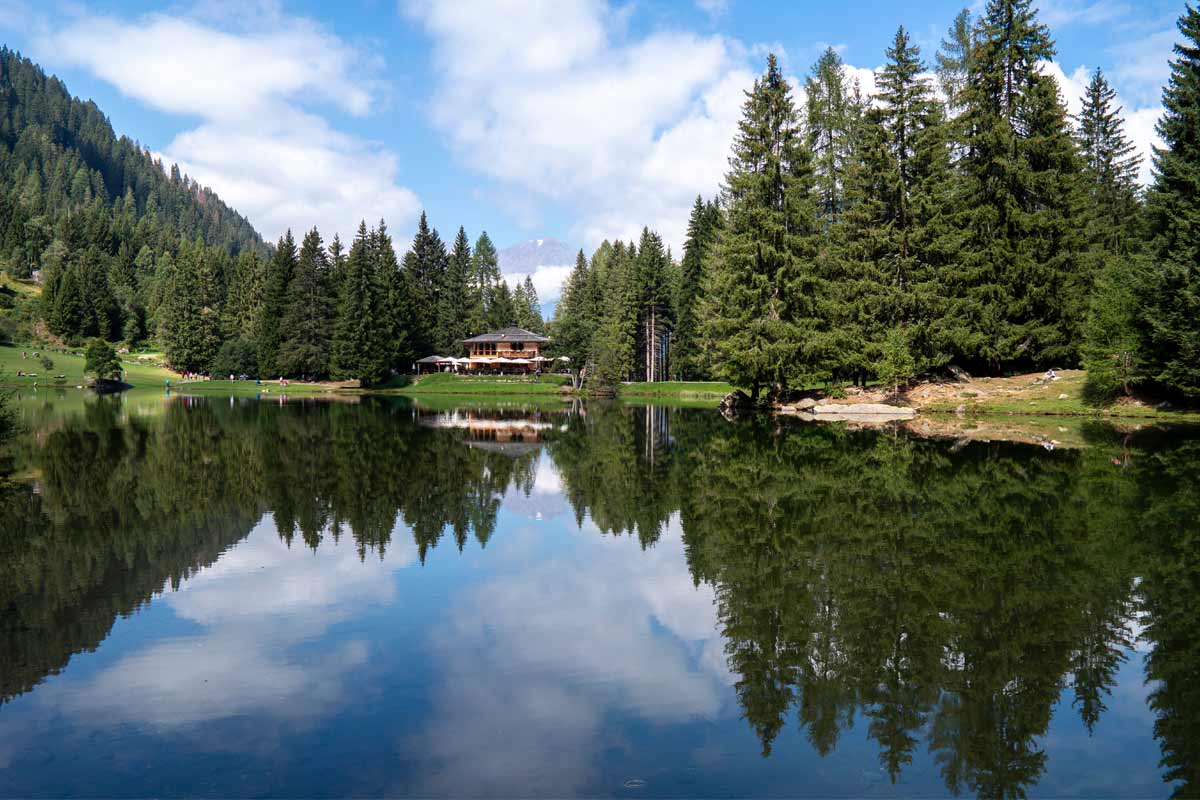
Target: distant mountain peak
{"type": "Point", "coordinates": [527, 256]}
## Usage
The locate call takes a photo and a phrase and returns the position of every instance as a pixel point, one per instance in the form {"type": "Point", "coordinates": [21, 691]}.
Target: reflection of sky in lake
{"type": "Point", "coordinates": [557, 661]}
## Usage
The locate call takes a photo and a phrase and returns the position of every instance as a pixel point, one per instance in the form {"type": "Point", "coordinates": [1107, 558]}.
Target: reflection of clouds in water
{"type": "Point", "coordinates": [535, 660]}
{"type": "Point", "coordinates": [546, 500]}
{"type": "Point", "coordinates": [256, 602]}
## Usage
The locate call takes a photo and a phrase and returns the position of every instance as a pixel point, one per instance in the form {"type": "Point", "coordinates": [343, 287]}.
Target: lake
{"type": "Point", "coordinates": [215, 597]}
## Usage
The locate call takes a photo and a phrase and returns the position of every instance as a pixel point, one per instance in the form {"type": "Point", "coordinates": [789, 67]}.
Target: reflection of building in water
{"type": "Point", "coordinates": [512, 433]}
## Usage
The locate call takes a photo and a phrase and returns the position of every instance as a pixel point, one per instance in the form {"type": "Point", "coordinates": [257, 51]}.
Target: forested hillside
{"type": "Point", "coordinates": [97, 214]}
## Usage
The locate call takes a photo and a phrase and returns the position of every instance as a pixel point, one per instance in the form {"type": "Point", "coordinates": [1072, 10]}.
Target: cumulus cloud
{"type": "Point", "coordinates": [257, 143]}
{"type": "Point", "coordinates": [1139, 122]}
{"type": "Point", "coordinates": [524, 698]}
{"type": "Point", "coordinates": [252, 606]}
{"type": "Point", "coordinates": [624, 132]}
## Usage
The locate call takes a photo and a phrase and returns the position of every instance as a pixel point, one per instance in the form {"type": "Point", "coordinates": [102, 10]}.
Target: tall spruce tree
{"type": "Point", "coordinates": [307, 332]}
{"type": "Point", "coordinates": [274, 305]}
{"type": "Point", "coordinates": [394, 324]}
{"type": "Point", "coordinates": [455, 302]}
{"type": "Point", "coordinates": [425, 263]}
{"type": "Point", "coordinates": [759, 317]}
{"type": "Point", "coordinates": [615, 346]}
{"type": "Point", "coordinates": [485, 278]}
{"type": "Point", "coordinates": [1111, 170]}
{"type": "Point", "coordinates": [701, 235]}
{"type": "Point", "coordinates": [529, 307]}
{"type": "Point", "coordinates": [834, 107]}
{"type": "Point", "coordinates": [190, 330]}
{"type": "Point", "coordinates": [1018, 291]}
{"type": "Point", "coordinates": [1170, 291]}
{"type": "Point", "coordinates": [360, 350]}
{"type": "Point", "coordinates": [575, 319]}
{"type": "Point", "coordinates": [653, 295]}
{"type": "Point", "coordinates": [894, 238]}
{"type": "Point", "coordinates": [247, 285]}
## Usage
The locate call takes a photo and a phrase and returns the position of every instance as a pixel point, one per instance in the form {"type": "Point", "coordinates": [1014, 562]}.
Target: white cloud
{"type": "Point", "coordinates": [1065, 12]}
{"type": "Point", "coordinates": [258, 143]}
{"type": "Point", "coordinates": [547, 280]}
{"type": "Point", "coordinates": [255, 604]}
{"type": "Point", "coordinates": [1139, 122]}
{"type": "Point", "coordinates": [567, 108]}
{"type": "Point", "coordinates": [523, 697]}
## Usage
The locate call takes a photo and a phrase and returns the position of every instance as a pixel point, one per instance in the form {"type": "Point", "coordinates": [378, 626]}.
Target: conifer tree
{"type": "Point", "coordinates": [701, 234]}
{"type": "Point", "coordinates": [485, 281]}
{"type": "Point", "coordinates": [759, 317]}
{"type": "Point", "coordinates": [953, 60]}
{"type": "Point", "coordinates": [425, 263]}
{"type": "Point", "coordinates": [455, 301]}
{"type": "Point", "coordinates": [529, 308]}
{"type": "Point", "coordinates": [834, 107]}
{"type": "Point", "coordinates": [1018, 292]}
{"type": "Point", "coordinates": [503, 309]}
{"type": "Point", "coordinates": [191, 330]}
{"type": "Point", "coordinates": [308, 320]}
{"type": "Point", "coordinates": [895, 236]}
{"type": "Point", "coordinates": [243, 309]}
{"type": "Point", "coordinates": [1110, 169]}
{"type": "Point", "coordinates": [359, 348]}
{"type": "Point", "coordinates": [274, 305]}
{"type": "Point", "coordinates": [1169, 293]}
{"type": "Point", "coordinates": [615, 345]}
{"type": "Point", "coordinates": [652, 292]}
{"type": "Point", "coordinates": [394, 323]}
{"type": "Point", "coordinates": [575, 318]}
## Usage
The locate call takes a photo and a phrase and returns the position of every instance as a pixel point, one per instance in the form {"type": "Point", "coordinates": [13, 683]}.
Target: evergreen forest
{"type": "Point", "coordinates": [959, 217]}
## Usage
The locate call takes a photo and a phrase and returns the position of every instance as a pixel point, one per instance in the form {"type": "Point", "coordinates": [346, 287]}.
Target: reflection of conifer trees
{"type": "Point", "coordinates": [163, 496]}
{"type": "Point", "coordinates": [942, 595]}
{"type": "Point", "coordinates": [618, 465]}
{"type": "Point", "coordinates": [1170, 592]}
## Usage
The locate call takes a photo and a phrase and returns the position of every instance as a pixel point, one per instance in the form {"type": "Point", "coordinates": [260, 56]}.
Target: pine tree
{"type": "Point", "coordinates": [529, 308]}
{"type": "Point", "coordinates": [760, 321]}
{"type": "Point", "coordinates": [485, 275]}
{"type": "Point", "coordinates": [243, 310]}
{"type": "Point", "coordinates": [1169, 293]}
{"type": "Point", "coordinates": [652, 295]}
{"type": "Point", "coordinates": [455, 302]}
{"type": "Point", "coordinates": [575, 319]}
{"type": "Point", "coordinates": [308, 320]}
{"type": "Point", "coordinates": [394, 323]}
{"type": "Point", "coordinates": [834, 107]}
{"type": "Point", "coordinates": [425, 263]}
{"type": "Point", "coordinates": [894, 240]}
{"type": "Point", "coordinates": [191, 322]}
{"type": "Point", "coordinates": [1110, 168]}
{"type": "Point", "coordinates": [359, 349]}
{"type": "Point", "coordinates": [274, 305]}
{"type": "Point", "coordinates": [615, 346]}
{"type": "Point", "coordinates": [1018, 292]}
{"type": "Point", "coordinates": [701, 235]}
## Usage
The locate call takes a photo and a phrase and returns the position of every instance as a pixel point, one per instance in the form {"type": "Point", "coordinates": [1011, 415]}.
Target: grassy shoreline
{"type": "Point", "coordinates": [1063, 399]}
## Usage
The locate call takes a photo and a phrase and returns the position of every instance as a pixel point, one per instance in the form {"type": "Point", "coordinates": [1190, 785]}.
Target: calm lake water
{"type": "Point", "coordinates": [243, 598]}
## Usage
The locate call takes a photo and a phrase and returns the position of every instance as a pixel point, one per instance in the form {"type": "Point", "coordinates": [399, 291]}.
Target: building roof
{"type": "Point", "coordinates": [430, 359]}
{"type": "Point", "coordinates": [507, 335]}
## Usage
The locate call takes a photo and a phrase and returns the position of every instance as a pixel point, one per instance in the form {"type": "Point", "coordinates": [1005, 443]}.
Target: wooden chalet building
{"type": "Point", "coordinates": [507, 350]}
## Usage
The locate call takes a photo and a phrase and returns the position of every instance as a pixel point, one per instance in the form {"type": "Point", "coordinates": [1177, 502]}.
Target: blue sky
{"type": "Point", "coordinates": [577, 119]}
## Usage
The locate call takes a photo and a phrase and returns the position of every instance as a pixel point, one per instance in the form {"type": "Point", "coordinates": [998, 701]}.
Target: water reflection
{"type": "Point", "coordinates": [942, 608]}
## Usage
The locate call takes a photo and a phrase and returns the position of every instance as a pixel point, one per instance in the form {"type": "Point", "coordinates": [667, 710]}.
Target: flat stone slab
{"type": "Point", "coordinates": [865, 410]}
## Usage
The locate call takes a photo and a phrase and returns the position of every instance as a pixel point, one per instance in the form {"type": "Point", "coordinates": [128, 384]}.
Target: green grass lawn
{"type": "Point", "coordinates": [69, 366]}
{"type": "Point", "coordinates": [675, 390]}
{"type": "Point", "coordinates": [495, 385]}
